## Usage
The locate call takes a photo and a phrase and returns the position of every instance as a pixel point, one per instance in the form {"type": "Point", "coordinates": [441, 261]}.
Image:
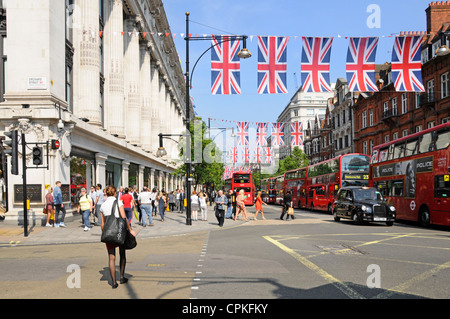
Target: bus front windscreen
{"type": "Point", "coordinates": [242, 178]}
{"type": "Point", "coordinates": [355, 170]}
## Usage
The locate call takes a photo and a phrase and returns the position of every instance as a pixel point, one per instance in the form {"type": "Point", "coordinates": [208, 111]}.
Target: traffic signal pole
{"type": "Point", "coordinates": [24, 182]}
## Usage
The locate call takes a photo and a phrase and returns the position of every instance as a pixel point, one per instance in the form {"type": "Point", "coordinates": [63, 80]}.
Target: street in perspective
{"type": "Point", "coordinates": [226, 156]}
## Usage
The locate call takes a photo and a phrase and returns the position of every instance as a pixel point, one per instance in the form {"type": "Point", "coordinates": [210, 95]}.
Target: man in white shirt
{"type": "Point", "coordinates": [145, 202]}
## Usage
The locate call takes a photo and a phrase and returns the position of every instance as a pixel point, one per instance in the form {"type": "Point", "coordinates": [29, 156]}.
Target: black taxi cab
{"type": "Point", "coordinates": [362, 204]}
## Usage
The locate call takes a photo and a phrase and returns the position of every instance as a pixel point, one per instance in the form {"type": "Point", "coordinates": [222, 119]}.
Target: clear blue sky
{"type": "Point", "coordinates": [282, 18]}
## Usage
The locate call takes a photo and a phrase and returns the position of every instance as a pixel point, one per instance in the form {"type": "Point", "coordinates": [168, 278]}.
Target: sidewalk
{"type": "Point", "coordinates": [174, 224]}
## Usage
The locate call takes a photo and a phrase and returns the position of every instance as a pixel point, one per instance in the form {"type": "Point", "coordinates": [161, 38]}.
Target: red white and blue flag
{"type": "Point", "coordinates": [261, 134]}
{"type": "Point", "coordinates": [234, 155]}
{"type": "Point", "coordinates": [225, 66]}
{"type": "Point", "coordinates": [268, 155]}
{"type": "Point", "coordinates": [361, 64]}
{"type": "Point", "coordinates": [296, 134]}
{"type": "Point", "coordinates": [246, 155]}
{"type": "Point", "coordinates": [242, 133]}
{"type": "Point", "coordinates": [406, 64]}
{"type": "Point", "coordinates": [277, 134]}
{"type": "Point", "coordinates": [258, 155]}
{"type": "Point", "coordinates": [315, 68]}
{"type": "Point", "coordinates": [272, 65]}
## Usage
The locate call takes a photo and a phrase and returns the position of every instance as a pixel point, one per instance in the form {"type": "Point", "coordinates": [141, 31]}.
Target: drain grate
{"type": "Point", "coordinates": [340, 250]}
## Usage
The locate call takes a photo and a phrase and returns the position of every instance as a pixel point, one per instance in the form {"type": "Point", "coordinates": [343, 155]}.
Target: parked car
{"type": "Point", "coordinates": [363, 204]}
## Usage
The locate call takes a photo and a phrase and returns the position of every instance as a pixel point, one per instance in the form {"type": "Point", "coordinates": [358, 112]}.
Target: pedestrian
{"type": "Point", "coordinates": [258, 205]}
{"type": "Point", "coordinates": [203, 206]}
{"type": "Point", "coordinates": [50, 206]}
{"type": "Point", "coordinates": [194, 205]}
{"type": "Point", "coordinates": [106, 209]}
{"type": "Point", "coordinates": [98, 202]}
{"type": "Point", "coordinates": [162, 204]}
{"type": "Point", "coordinates": [136, 204]}
{"type": "Point", "coordinates": [182, 198]}
{"type": "Point", "coordinates": [229, 214]}
{"type": "Point", "coordinates": [153, 196]}
{"type": "Point", "coordinates": [172, 201]}
{"type": "Point", "coordinates": [287, 203]}
{"type": "Point", "coordinates": [128, 203]}
{"type": "Point", "coordinates": [221, 201]}
{"type": "Point", "coordinates": [93, 195]}
{"type": "Point", "coordinates": [59, 206]}
{"type": "Point", "coordinates": [85, 207]}
{"type": "Point", "coordinates": [240, 209]}
{"type": "Point", "coordinates": [145, 202]}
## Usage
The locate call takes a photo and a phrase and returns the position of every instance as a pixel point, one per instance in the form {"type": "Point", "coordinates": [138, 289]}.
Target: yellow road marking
{"type": "Point", "coordinates": [319, 271]}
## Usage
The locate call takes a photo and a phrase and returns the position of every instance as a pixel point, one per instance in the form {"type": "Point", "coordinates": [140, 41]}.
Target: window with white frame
{"type": "Point", "coordinates": [365, 150]}
{"type": "Point", "coordinates": [431, 124]}
{"type": "Point", "coordinates": [418, 128]}
{"type": "Point", "coordinates": [430, 90]}
{"type": "Point", "coordinates": [444, 85]}
{"type": "Point", "coordinates": [364, 119]}
{"type": "Point", "coordinates": [417, 100]}
{"type": "Point", "coordinates": [370, 117]}
{"type": "Point", "coordinates": [395, 136]}
{"type": "Point", "coordinates": [404, 103]}
{"type": "Point", "coordinates": [405, 133]}
{"type": "Point", "coordinates": [394, 106]}
{"type": "Point", "coordinates": [445, 120]}
{"type": "Point", "coordinates": [386, 138]}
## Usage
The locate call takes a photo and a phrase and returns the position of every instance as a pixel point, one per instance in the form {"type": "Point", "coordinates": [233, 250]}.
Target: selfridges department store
{"type": "Point", "coordinates": [95, 76]}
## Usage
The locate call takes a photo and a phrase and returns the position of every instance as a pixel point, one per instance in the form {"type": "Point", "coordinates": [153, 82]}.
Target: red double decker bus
{"type": "Point", "coordinates": [279, 190]}
{"type": "Point", "coordinates": [268, 191]}
{"type": "Point", "coordinates": [243, 181]}
{"type": "Point", "coordinates": [326, 178]}
{"type": "Point", "coordinates": [295, 181]}
{"type": "Point", "coordinates": [413, 173]}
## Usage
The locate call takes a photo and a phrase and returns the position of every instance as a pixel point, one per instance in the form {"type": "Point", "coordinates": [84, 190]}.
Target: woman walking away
{"type": "Point", "coordinates": [49, 205]}
{"type": "Point", "coordinates": [86, 208]}
{"type": "Point", "coordinates": [203, 206]}
{"type": "Point", "coordinates": [194, 205]}
{"type": "Point", "coordinates": [287, 204]}
{"type": "Point", "coordinates": [258, 205]}
{"type": "Point", "coordinates": [241, 206]}
{"type": "Point", "coordinates": [111, 205]}
{"type": "Point", "coordinates": [128, 203]}
{"type": "Point", "coordinates": [162, 204]}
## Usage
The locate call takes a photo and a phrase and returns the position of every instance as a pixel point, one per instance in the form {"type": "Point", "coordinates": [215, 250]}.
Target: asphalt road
{"type": "Point", "coordinates": [311, 257]}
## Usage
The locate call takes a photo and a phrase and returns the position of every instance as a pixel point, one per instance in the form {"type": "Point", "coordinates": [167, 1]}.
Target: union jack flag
{"type": "Point", "coordinates": [261, 134]}
{"type": "Point", "coordinates": [406, 64]}
{"type": "Point", "coordinates": [225, 66]}
{"type": "Point", "coordinates": [316, 64]}
{"type": "Point", "coordinates": [242, 133]}
{"type": "Point", "coordinates": [257, 155]}
{"type": "Point", "coordinates": [272, 65]}
{"type": "Point", "coordinates": [296, 134]}
{"type": "Point", "coordinates": [268, 155]}
{"type": "Point", "coordinates": [361, 64]}
{"type": "Point", "coordinates": [277, 134]}
{"type": "Point", "coordinates": [246, 155]}
{"type": "Point", "coordinates": [234, 155]}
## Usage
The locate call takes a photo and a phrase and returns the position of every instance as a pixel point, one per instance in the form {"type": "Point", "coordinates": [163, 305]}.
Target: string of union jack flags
{"type": "Point", "coordinates": [315, 64]}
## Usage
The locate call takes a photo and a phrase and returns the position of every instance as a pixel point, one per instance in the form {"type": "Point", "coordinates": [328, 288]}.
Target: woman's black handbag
{"type": "Point", "coordinates": [130, 241]}
{"type": "Point", "coordinates": [115, 228]}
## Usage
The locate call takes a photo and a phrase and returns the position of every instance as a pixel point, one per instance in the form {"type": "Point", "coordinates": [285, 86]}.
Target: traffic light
{"type": "Point", "coordinates": [13, 150]}
{"type": "Point", "coordinates": [37, 156]}
{"type": "Point", "coordinates": [55, 144]}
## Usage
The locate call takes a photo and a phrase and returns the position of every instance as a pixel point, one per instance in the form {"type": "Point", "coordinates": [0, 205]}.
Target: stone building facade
{"type": "Point", "coordinates": [101, 77]}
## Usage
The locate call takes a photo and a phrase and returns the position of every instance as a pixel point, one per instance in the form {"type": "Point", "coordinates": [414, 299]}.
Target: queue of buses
{"type": "Point", "coordinates": [412, 173]}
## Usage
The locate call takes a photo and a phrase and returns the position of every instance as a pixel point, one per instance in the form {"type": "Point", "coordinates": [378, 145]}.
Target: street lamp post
{"type": "Point", "coordinates": [243, 54]}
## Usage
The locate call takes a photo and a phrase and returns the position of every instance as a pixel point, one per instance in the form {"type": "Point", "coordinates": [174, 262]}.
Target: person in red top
{"type": "Point", "coordinates": [258, 205]}
{"type": "Point", "coordinates": [128, 203]}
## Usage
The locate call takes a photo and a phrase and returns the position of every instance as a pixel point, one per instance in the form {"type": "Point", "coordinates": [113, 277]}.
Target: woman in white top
{"type": "Point", "coordinates": [203, 207]}
{"type": "Point", "coordinates": [194, 205]}
{"type": "Point", "coordinates": [106, 209]}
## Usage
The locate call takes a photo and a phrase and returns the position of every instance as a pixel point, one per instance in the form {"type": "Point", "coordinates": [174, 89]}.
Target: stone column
{"type": "Point", "coordinates": [155, 125]}
{"type": "Point", "coordinates": [87, 55]}
{"type": "Point", "coordinates": [125, 173]}
{"type": "Point", "coordinates": [113, 67]}
{"type": "Point", "coordinates": [100, 169]}
{"type": "Point", "coordinates": [152, 178]}
{"type": "Point", "coordinates": [141, 177]}
{"type": "Point", "coordinates": [132, 88]}
{"type": "Point", "coordinates": [146, 96]}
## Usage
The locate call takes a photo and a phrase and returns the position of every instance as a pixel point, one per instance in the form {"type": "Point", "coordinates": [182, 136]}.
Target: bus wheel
{"type": "Point", "coordinates": [424, 216]}
{"type": "Point", "coordinates": [336, 218]}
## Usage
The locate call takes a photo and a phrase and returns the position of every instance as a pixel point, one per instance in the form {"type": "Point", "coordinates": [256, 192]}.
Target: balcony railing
{"type": "Point", "coordinates": [427, 98]}
{"type": "Point", "coordinates": [389, 113]}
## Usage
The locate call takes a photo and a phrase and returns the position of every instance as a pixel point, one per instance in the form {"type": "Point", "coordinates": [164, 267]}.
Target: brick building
{"type": "Point", "coordinates": [387, 115]}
